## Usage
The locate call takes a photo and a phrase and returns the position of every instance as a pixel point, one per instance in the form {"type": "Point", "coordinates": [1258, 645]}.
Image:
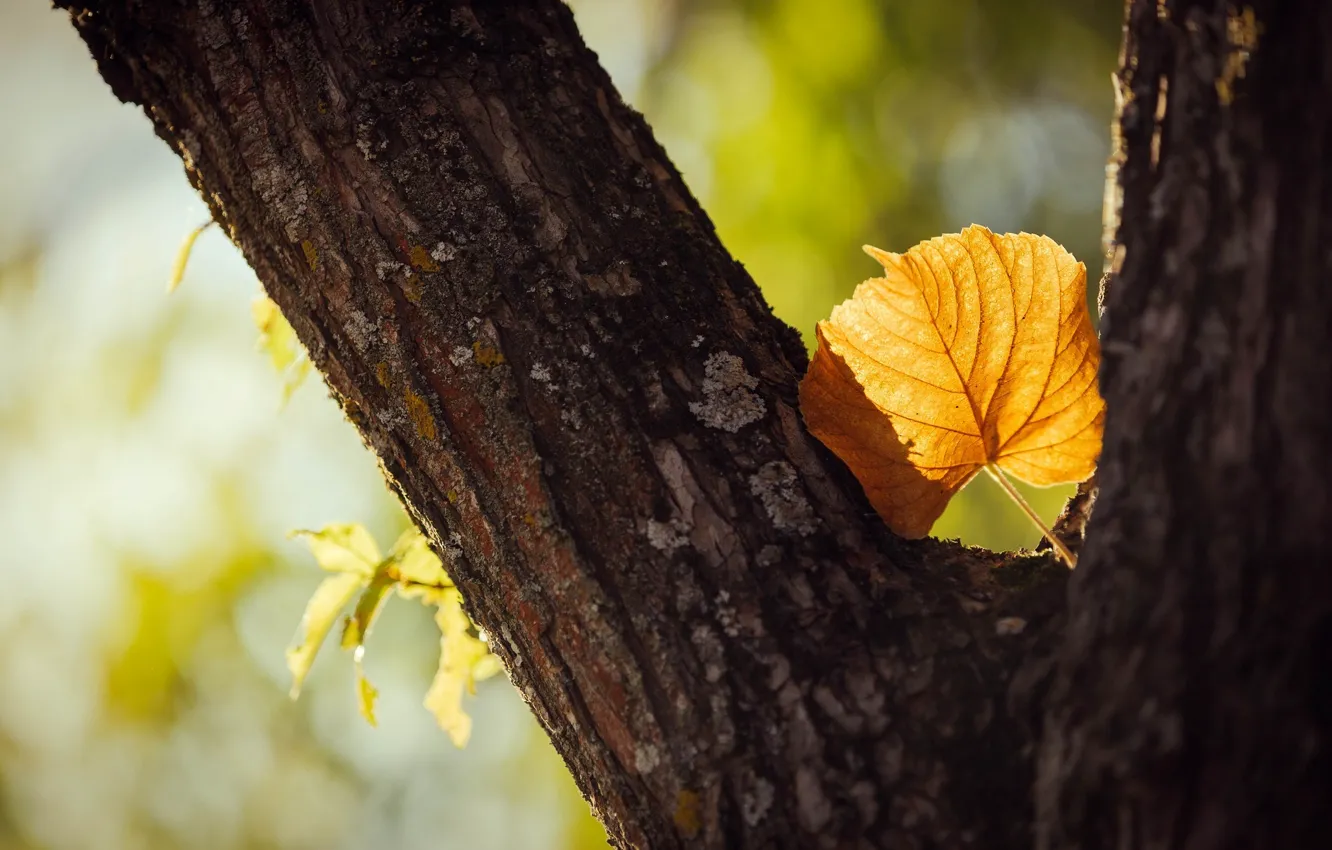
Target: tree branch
{"type": "Point", "coordinates": [1192, 707]}
{"type": "Point", "coordinates": [587, 405]}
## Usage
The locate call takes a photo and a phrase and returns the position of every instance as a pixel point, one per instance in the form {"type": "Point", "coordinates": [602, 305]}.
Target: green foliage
{"type": "Point", "coordinates": [411, 569]}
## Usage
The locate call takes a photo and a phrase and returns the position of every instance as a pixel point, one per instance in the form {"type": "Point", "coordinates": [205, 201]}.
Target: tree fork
{"type": "Point", "coordinates": [586, 404]}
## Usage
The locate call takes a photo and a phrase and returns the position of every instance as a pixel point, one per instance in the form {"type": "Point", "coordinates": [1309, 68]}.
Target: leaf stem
{"type": "Point", "coordinates": [1013, 494]}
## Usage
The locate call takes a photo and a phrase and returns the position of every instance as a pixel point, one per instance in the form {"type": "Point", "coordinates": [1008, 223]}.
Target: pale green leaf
{"type": "Point", "coordinates": [343, 548]}
{"type": "Point", "coordinates": [332, 595]}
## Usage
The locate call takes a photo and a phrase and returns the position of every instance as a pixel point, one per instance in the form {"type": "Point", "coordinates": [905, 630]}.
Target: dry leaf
{"type": "Point", "coordinates": [972, 350]}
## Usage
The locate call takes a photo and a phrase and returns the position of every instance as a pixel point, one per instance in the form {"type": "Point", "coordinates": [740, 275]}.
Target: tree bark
{"type": "Point", "coordinates": [586, 404]}
{"type": "Point", "coordinates": [1193, 704]}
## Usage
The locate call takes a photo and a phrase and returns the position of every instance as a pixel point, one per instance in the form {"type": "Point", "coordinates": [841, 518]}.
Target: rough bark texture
{"type": "Point", "coordinates": [587, 405]}
{"type": "Point", "coordinates": [1193, 705]}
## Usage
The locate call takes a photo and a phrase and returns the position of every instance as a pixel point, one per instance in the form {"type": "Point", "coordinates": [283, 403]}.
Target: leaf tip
{"type": "Point", "coordinates": [880, 256]}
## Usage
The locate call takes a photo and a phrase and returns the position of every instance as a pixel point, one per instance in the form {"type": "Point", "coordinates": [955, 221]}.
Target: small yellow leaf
{"type": "Point", "coordinates": [349, 551]}
{"type": "Point", "coordinates": [486, 667]}
{"type": "Point", "coordinates": [183, 256]}
{"type": "Point", "coordinates": [366, 693]}
{"type": "Point", "coordinates": [343, 548]}
{"type": "Point", "coordinates": [461, 655]}
{"type": "Point", "coordinates": [972, 350]}
{"type": "Point", "coordinates": [332, 595]}
{"type": "Point", "coordinates": [278, 340]}
{"type": "Point", "coordinates": [294, 378]}
{"type": "Point", "coordinates": [368, 606]}
{"type": "Point", "coordinates": [417, 567]}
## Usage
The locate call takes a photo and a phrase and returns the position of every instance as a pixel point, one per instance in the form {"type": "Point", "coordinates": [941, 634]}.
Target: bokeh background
{"type": "Point", "coordinates": [149, 473]}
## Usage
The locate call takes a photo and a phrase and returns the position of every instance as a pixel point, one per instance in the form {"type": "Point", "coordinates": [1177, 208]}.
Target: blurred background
{"type": "Point", "coordinates": [149, 473]}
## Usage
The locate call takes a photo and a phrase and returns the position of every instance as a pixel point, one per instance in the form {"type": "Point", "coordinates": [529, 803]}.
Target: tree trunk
{"type": "Point", "coordinates": [1193, 703]}
{"type": "Point", "coordinates": [589, 408]}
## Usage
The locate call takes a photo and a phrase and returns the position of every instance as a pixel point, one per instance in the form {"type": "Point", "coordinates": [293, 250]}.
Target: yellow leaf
{"type": "Point", "coordinates": [461, 655]}
{"type": "Point", "coordinates": [366, 693]}
{"type": "Point", "coordinates": [349, 551]}
{"type": "Point", "coordinates": [328, 600]}
{"type": "Point", "coordinates": [358, 625]}
{"type": "Point", "coordinates": [183, 256]}
{"type": "Point", "coordinates": [973, 350]}
{"type": "Point", "coordinates": [486, 667]}
{"type": "Point", "coordinates": [294, 378]}
{"type": "Point", "coordinates": [278, 340]}
{"type": "Point", "coordinates": [343, 548]}
{"type": "Point", "coordinates": [416, 564]}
